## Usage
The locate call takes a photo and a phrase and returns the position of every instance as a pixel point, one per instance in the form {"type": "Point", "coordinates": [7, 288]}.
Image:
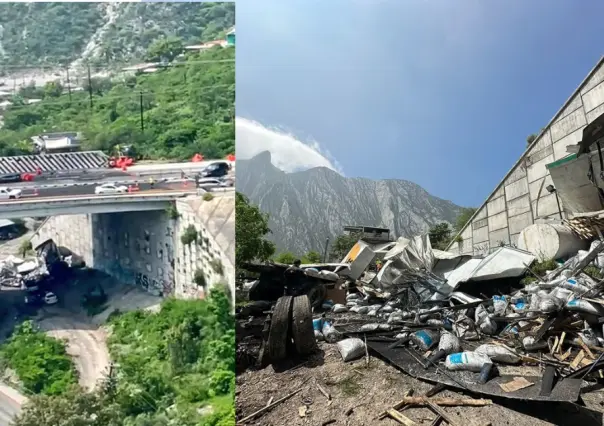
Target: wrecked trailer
{"type": "Point", "coordinates": [269, 283]}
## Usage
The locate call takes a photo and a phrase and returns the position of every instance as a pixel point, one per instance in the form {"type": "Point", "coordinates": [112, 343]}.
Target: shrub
{"type": "Point", "coordinates": [199, 278]}
{"type": "Point", "coordinates": [208, 196]}
{"type": "Point", "coordinates": [216, 265]}
{"type": "Point", "coordinates": [189, 236]}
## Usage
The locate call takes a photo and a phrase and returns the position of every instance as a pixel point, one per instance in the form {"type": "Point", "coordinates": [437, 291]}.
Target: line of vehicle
{"type": "Point", "coordinates": [39, 199]}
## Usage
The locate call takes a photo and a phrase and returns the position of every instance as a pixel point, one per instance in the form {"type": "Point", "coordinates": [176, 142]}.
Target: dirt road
{"type": "Point", "coordinates": [364, 392]}
{"type": "Point", "coordinates": [86, 343]}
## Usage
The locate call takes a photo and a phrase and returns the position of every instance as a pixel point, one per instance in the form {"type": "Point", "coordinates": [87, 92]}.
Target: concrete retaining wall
{"type": "Point", "coordinates": [521, 199]}
{"type": "Point", "coordinates": [145, 248]}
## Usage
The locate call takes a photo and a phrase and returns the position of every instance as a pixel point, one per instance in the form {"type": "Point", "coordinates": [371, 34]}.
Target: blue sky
{"type": "Point", "coordinates": [441, 93]}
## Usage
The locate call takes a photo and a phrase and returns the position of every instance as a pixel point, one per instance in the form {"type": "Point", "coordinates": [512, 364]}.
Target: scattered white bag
{"type": "Point", "coordinates": [531, 344]}
{"type": "Point", "coordinates": [449, 342]}
{"type": "Point", "coordinates": [574, 285]}
{"type": "Point", "coordinates": [353, 296]}
{"type": "Point", "coordinates": [580, 305]}
{"type": "Point", "coordinates": [369, 327]}
{"type": "Point", "coordinates": [351, 348]}
{"type": "Point", "coordinates": [498, 353]}
{"type": "Point", "coordinates": [331, 334]}
{"type": "Point", "coordinates": [425, 339]}
{"type": "Point", "coordinates": [319, 336]}
{"type": "Point", "coordinates": [339, 308]}
{"type": "Point", "coordinates": [499, 305]}
{"type": "Point", "coordinates": [467, 361]}
{"type": "Point", "coordinates": [362, 310]}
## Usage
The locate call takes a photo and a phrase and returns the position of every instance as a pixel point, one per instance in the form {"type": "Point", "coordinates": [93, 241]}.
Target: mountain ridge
{"type": "Point", "coordinates": [322, 202]}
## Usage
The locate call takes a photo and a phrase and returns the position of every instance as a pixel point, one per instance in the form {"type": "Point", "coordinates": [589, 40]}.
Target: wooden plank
{"type": "Point", "coordinates": [578, 359]}
{"type": "Point", "coordinates": [401, 418]}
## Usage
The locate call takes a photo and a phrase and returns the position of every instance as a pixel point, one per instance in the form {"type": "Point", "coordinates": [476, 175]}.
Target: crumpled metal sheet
{"type": "Point", "coordinates": [566, 390]}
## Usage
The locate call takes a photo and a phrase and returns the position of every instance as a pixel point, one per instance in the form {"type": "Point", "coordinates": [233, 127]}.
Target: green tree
{"type": "Point", "coordinates": [531, 138]}
{"type": "Point", "coordinates": [285, 257]}
{"type": "Point", "coordinates": [312, 257]}
{"type": "Point", "coordinates": [341, 246]}
{"type": "Point", "coordinates": [463, 217]}
{"type": "Point", "coordinates": [440, 235]}
{"type": "Point", "coordinates": [53, 89]}
{"type": "Point", "coordinates": [165, 49]}
{"type": "Point", "coordinates": [251, 227]}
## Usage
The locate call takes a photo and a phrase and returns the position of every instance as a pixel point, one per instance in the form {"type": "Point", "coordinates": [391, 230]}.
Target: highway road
{"type": "Point", "coordinates": [78, 191]}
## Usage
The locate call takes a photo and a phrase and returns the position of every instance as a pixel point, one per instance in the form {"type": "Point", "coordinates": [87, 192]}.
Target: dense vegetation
{"type": "Point", "coordinates": [251, 228]}
{"type": "Point", "coordinates": [40, 361]}
{"type": "Point", "coordinates": [58, 33]}
{"type": "Point", "coordinates": [441, 234]}
{"type": "Point", "coordinates": [187, 108]}
{"type": "Point", "coordinates": [172, 368]}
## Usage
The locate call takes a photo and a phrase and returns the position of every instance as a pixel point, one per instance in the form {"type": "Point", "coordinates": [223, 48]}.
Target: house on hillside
{"type": "Point", "coordinates": [57, 142]}
{"type": "Point", "coordinates": [230, 37]}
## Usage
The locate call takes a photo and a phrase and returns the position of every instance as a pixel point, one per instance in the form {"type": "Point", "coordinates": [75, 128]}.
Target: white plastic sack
{"type": "Point", "coordinates": [467, 361]}
{"type": "Point", "coordinates": [550, 304]}
{"type": "Point", "coordinates": [353, 296]}
{"type": "Point", "coordinates": [372, 313]}
{"type": "Point", "coordinates": [499, 304]}
{"type": "Point", "coordinates": [362, 310]}
{"type": "Point", "coordinates": [498, 353]}
{"type": "Point", "coordinates": [319, 336]}
{"type": "Point", "coordinates": [580, 305]}
{"type": "Point", "coordinates": [530, 344]}
{"type": "Point", "coordinates": [425, 339]}
{"type": "Point", "coordinates": [331, 334]}
{"type": "Point", "coordinates": [449, 342]}
{"type": "Point", "coordinates": [339, 308]}
{"type": "Point", "coordinates": [351, 348]}
{"type": "Point", "coordinates": [574, 285]}
{"type": "Point", "coordinates": [329, 275]}
{"type": "Point", "coordinates": [369, 327]}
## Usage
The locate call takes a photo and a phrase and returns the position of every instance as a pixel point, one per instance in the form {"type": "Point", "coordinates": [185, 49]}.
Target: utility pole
{"type": "Point", "coordinates": [325, 251]}
{"type": "Point", "coordinates": [68, 83]}
{"type": "Point", "coordinates": [89, 86]}
{"type": "Point", "coordinates": [142, 118]}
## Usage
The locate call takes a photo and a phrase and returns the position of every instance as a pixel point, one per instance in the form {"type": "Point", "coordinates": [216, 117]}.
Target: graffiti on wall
{"type": "Point", "coordinates": [153, 285]}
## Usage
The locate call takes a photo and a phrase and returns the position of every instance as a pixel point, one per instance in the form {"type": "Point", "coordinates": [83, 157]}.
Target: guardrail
{"type": "Point", "coordinates": [94, 200]}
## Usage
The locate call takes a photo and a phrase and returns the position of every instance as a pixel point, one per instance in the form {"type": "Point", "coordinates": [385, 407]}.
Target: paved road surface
{"type": "Point", "coordinates": [72, 191]}
{"type": "Point", "coordinates": [10, 404]}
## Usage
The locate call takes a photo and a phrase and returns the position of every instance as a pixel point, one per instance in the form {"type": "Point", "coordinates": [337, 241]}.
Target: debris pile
{"type": "Point", "coordinates": [414, 313]}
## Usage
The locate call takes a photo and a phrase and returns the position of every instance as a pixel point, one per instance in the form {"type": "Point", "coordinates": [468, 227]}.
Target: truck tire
{"type": "Point", "coordinates": [278, 336]}
{"type": "Point", "coordinates": [302, 329]}
{"type": "Point", "coordinates": [316, 295]}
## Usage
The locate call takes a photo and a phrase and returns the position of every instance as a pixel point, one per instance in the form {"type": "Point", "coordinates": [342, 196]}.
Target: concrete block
{"type": "Point", "coordinates": [594, 80]}
{"type": "Point", "coordinates": [467, 235]}
{"type": "Point", "coordinates": [516, 189]}
{"type": "Point", "coordinates": [518, 173]}
{"type": "Point", "coordinates": [499, 237]}
{"type": "Point", "coordinates": [481, 249]}
{"type": "Point", "coordinates": [518, 223]}
{"type": "Point", "coordinates": [500, 192]}
{"type": "Point", "coordinates": [480, 235]}
{"type": "Point", "coordinates": [595, 113]}
{"type": "Point", "coordinates": [546, 207]}
{"type": "Point", "coordinates": [574, 104]}
{"type": "Point", "coordinates": [594, 98]}
{"type": "Point", "coordinates": [544, 141]}
{"type": "Point", "coordinates": [498, 221]}
{"type": "Point", "coordinates": [519, 205]}
{"type": "Point", "coordinates": [497, 205]}
{"type": "Point", "coordinates": [565, 126]}
{"type": "Point", "coordinates": [514, 240]}
{"type": "Point", "coordinates": [537, 188]}
{"type": "Point", "coordinates": [481, 214]}
{"type": "Point", "coordinates": [572, 139]}
{"type": "Point", "coordinates": [537, 170]}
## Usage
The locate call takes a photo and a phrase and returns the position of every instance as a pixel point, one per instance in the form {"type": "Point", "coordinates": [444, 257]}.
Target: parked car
{"type": "Point", "coordinates": [110, 188]}
{"type": "Point", "coordinates": [36, 298]}
{"type": "Point", "coordinates": [10, 194]}
{"type": "Point", "coordinates": [217, 169]}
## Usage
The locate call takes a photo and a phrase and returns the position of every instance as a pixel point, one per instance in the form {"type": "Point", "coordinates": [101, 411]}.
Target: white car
{"type": "Point", "coordinates": [10, 194]}
{"type": "Point", "coordinates": [110, 188]}
{"type": "Point", "coordinates": [209, 183]}
{"type": "Point", "coordinates": [50, 298]}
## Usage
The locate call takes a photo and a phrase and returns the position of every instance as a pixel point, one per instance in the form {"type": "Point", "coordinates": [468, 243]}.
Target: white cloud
{"type": "Point", "coordinates": [288, 153]}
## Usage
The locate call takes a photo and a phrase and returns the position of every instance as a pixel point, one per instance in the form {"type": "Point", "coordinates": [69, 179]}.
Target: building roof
{"type": "Point", "coordinates": [231, 31]}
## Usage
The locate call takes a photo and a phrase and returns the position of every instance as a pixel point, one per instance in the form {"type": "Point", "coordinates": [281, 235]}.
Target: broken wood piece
{"type": "Point", "coordinates": [324, 392]}
{"type": "Point", "coordinates": [401, 418]}
{"type": "Point", "coordinates": [302, 410]}
{"type": "Point", "coordinates": [398, 405]}
{"type": "Point", "coordinates": [328, 422]}
{"type": "Point", "coordinates": [578, 359]}
{"type": "Point", "coordinates": [268, 407]}
{"type": "Point", "coordinates": [516, 384]}
{"type": "Point", "coordinates": [439, 411]}
{"type": "Point", "coordinates": [437, 420]}
{"type": "Point", "coordinates": [554, 347]}
{"type": "Point", "coordinates": [366, 352]}
{"type": "Point", "coordinates": [562, 336]}
{"type": "Point", "coordinates": [270, 401]}
{"type": "Point", "coordinates": [435, 389]}
{"type": "Point", "coordinates": [445, 402]}
{"type": "Point", "coordinates": [565, 355]}
{"type": "Point", "coordinates": [585, 348]}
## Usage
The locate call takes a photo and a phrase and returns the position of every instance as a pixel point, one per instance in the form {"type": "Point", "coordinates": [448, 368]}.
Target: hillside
{"type": "Point", "coordinates": [61, 33]}
{"type": "Point", "coordinates": [307, 207]}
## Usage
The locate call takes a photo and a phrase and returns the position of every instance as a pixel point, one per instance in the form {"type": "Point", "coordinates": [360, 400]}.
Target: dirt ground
{"type": "Point", "coordinates": [359, 394]}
